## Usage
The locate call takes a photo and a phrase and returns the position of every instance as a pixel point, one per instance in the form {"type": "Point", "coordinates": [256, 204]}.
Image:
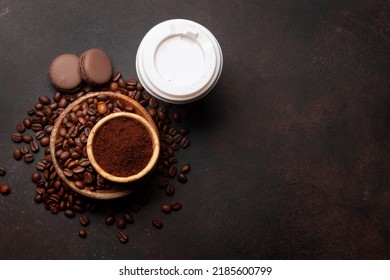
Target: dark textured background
{"type": "Point", "coordinates": [290, 152]}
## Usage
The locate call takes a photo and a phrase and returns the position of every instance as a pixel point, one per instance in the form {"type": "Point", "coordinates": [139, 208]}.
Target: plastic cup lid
{"type": "Point", "coordinates": [179, 61]}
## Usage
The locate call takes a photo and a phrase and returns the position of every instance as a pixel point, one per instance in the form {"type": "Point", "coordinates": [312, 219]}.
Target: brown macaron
{"type": "Point", "coordinates": [64, 73]}
{"type": "Point", "coordinates": [95, 67]}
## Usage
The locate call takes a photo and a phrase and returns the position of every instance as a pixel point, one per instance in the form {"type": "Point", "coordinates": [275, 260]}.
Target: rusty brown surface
{"type": "Point", "coordinates": [290, 153]}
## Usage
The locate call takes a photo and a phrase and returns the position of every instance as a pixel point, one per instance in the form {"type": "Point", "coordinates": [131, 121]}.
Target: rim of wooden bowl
{"type": "Point", "coordinates": [118, 190]}
{"type": "Point", "coordinates": [155, 146]}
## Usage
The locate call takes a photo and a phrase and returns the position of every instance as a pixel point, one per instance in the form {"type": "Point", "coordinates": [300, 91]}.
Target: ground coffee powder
{"type": "Point", "coordinates": [122, 147]}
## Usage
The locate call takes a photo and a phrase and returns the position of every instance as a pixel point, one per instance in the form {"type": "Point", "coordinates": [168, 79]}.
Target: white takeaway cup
{"type": "Point", "coordinates": [179, 61]}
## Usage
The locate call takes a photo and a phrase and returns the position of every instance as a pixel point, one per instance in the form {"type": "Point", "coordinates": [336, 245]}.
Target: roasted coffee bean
{"type": "Point", "coordinates": [31, 112]}
{"type": "Point", "coordinates": [55, 208]}
{"type": "Point", "coordinates": [17, 137]}
{"type": "Point", "coordinates": [185, 168]}
{"type": "Point", "coordinates": [48, 128]}
{"type": "Point", "coordinates": [43, 99]}
{"type": "Point", "coordinates": [176, 205]}
{"type": "Point", "coordinates": [45, 141]}
{"type": "Point", "coordinates": [5, 189]}
{"type": "Point", "coordinates": [36, 127]}
{"type": "Point", "coordinates": [82, 233]}
{"type": "Point", "coordinates": [24, 150]}
{"type": "Point", "coordinates": [114, 86]}
{"type": "Point", "coordinates": [177, 138]}
{"type": "Point", "coordinates": [27, 138]}
{"type": "Point", "coordinates": [122, 237]}
{"type": "Point", "coordinates": [84, 220]}
{"type": "Point", "coordinates": [128, 217]}
{"type": "Point", "coordinates": [172, 160]}
{"type": "Point", "coordinates": [184, 131]}
{"type": "Point", "coordinates": [20, 127]}
{"type": "Point", "coordinates": [57, 96]}
{"type": "Point", "coordinates": [27, 123]}
{"type": "Point", "coordinates": [121, 223]}
{"type": "Point", "coordinates": [157, 224]}
{"type": "Point", "coordinates": [110, 220]}
{"type": "Point", "coordinates": [38, 198]}
{"type": "Point", "coordinates": [68, 172]}
{"type": "Point", "coordinates": [38, 106]}
{"type": "Point", "coordinates": [35, 177]}
{"type": "Point", "coordinates": [69, 213]}
{"type": "Point", "coordinates": [152, 112]}
{"type": "Point", "coordinates": [28, 158]}
{"type": "Point", "coordinates": [182, 178]}
{"type": "Point", "coordinates": [176, 117]}
{"type": "Point", "coordinates": [79, 169]}
{"type": "Point", "coordinates": [63, 103]}
{"type": "Point", "coordinates": [122, 83]}
{"type": "Point", "coordinates": [65, 155]}
{"type": "Point", "coordinates": [166, 208]}
{"type": "Point", "coordinates": [170, 190]}
{"type": "Point", "coordinates": [2, 171]}
{"type": "Point", "coordinates": [163, 182]}
{"type": "Point", "coordinates": [116, 76]}
{"type": "Point", "coordinates": [39, 135]}
{"type": "Point", "coordinates": [79, 185]}
{"type": "Point", "coordinates": [34, 146]}
{"type": "Point", "coordinates": [172, 171]}
{"type": "Point", "coordinates": [40, 166]}
{"type": "Point", "coordinates": [185, 142]}
{"type": "Point", "coordinates": [17, 154]}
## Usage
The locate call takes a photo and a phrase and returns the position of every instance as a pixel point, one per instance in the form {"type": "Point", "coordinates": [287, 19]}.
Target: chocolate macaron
{"type": "Point", "coordinates": [95, 67]}
{"type": "Point", "coordinates": [64, 73]}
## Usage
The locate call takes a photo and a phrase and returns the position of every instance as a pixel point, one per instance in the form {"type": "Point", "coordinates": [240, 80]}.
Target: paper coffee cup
{"type": "Point", "coordinates": [179, 61]}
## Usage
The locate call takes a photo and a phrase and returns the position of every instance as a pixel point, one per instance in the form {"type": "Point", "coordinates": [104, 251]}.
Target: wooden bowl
{"type": "Point", "coordinates": [155, 147]}
{"type": "Point", "coordinates": [118, 190]}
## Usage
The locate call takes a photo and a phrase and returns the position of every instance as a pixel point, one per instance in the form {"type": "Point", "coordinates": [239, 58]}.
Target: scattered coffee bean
{"type": "Point", "coordinates": [182, 178]}
{"type": "Point", "coordinates": [176, 205]}
{"type": "Point", "coordinates": [69, 213]}
{"type": "Point", "coordinates": [27, 122]}
{"type": "Point", "coordinates": [17, 137]}
{"type": "Point", "coordinates": [128, 217]}
{"type": "Point", "coordinates": [110, 220]}
{"type": "Point", "coordinates": [17, 154]}
{"type": "Point", "coordinates": [2, 171]}
{"type": "Point", "coordinates": [121, 223]}
{"type": "Point", "coordinates": [166, 208]}
{"type": "Point", "coordinates": [157, 224]}
{"type": "Point", "coordinates": [170, 190]}
{"type": "Point", "coordinates": [24, 150]}
{"type": "Point", "coordinates": [5, 189]}
{"type": "Point", "coordinates": [43, 99]}
{"type": "Point", "coordinates": [28, 158]}
{"type": "Point", "coordinates": [84, 220]}
{"type": "Point", "coordinates": [185, 168]}
{"type": "Point", "coordinates": [82, 233]}
{"type": "Point", "coordinates": [122, 237]}
{"type": "Point", "coordinates": [45, 141]}
{"type": "Point", "coordinates": [20, 127]}
{"type": "Point", "coordinates": [27, 138]}
{"type": "Point", "coordinates": [163, 182]}
{"type": "Point", "coordinates": [35, 177]}
{"type": "Point", "coordinates": [34, 146]}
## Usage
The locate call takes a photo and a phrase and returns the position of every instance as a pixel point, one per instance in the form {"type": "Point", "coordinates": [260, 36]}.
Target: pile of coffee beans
{"type": "Point", "coordinates": [33, 135]}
